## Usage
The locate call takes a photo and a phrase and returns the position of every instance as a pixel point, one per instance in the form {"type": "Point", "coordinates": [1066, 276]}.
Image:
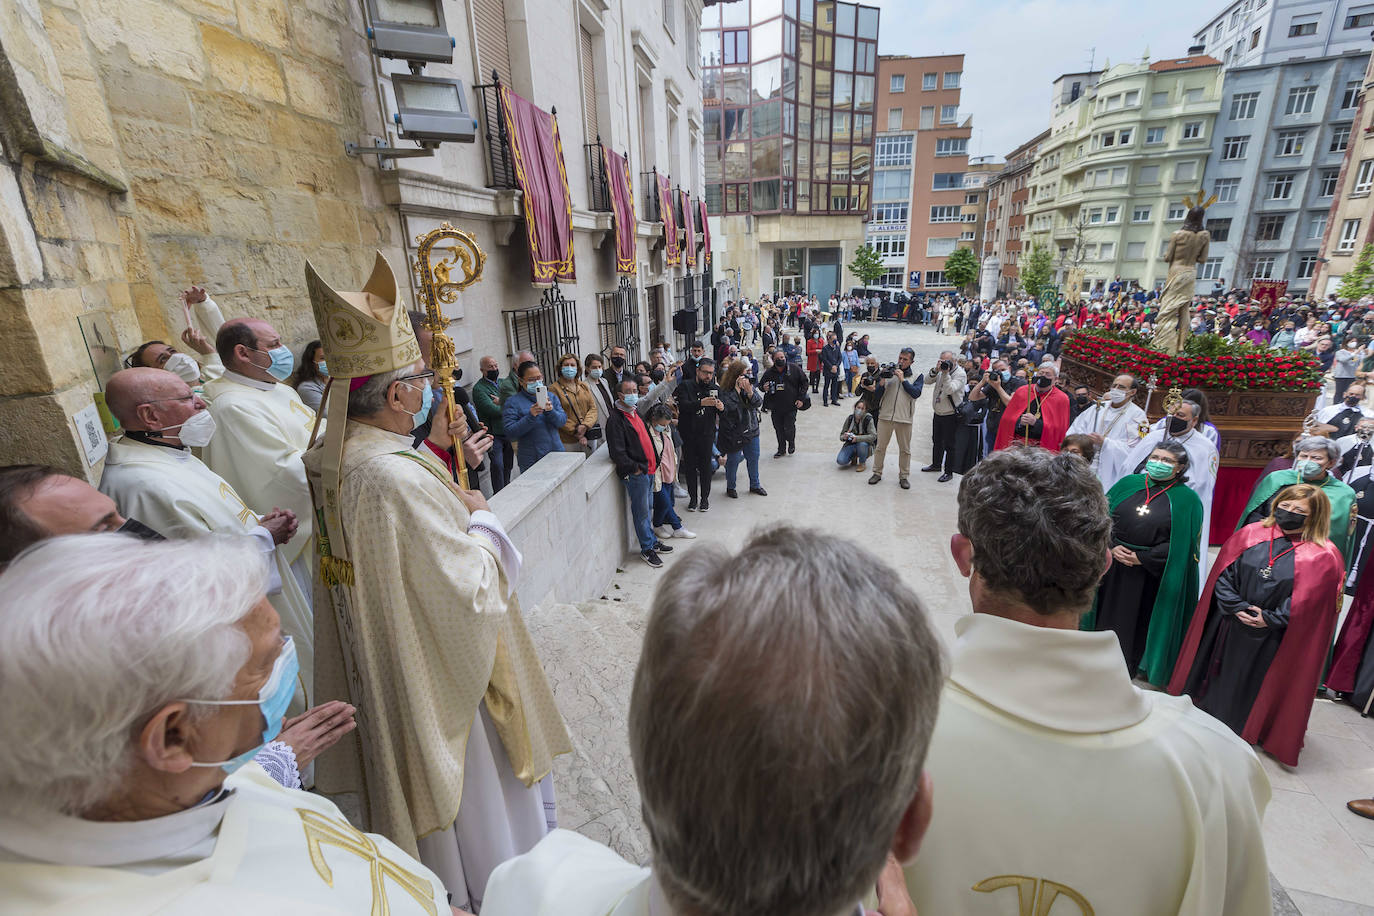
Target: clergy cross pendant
{"type": "Point", "coordinates": [1142, 510]}
{"type": "Point", "coordinates": [1267, 572]}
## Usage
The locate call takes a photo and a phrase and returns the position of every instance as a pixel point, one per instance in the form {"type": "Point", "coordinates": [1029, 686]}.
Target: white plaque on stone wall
{"type": "Point", "coordinates": [91, 433]}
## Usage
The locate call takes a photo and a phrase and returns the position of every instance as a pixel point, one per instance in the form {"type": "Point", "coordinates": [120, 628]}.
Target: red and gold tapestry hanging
{"type": "Point", "coordinates": [672, 253]}
{"type": "Point", "coordinates": [623, 211]}
{"type": "Point", "coordinates": [538, 153]}
{"type": "Point", "coordinates": [689, 223]}
{"type": "Point", "coordinates": [705, 235]}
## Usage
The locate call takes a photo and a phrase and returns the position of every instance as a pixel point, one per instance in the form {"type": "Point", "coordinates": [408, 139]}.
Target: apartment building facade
{"type": "Point", "coordinates": [1282, 135]}
{"type": "Point", "coordinates": [1248, 33]}
{"type": "Point", "coordinates": [1108, 183]}
{"type": "Point", "coordinates": [1350, 221]}
{"type": "Point", "coordinates": [789, 88]}
{"type": "Point", "coordinates": [921, 163]}
{"type": "Point", "coordinates": [1005, 221]}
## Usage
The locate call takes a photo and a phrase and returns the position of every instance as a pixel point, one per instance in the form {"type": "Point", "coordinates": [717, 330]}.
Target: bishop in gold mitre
{"type": "Point", "coordinates": [417, 622]}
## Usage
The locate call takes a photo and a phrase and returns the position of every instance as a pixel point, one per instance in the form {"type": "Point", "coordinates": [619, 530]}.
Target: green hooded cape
{"type": "Point", "coordinates": [1178, 588]}
{"type": "Point", "coordinates": [1340, 494]}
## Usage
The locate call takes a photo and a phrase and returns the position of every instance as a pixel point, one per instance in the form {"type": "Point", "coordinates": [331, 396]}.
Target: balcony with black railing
{"type": "Point", "coordinates": [598, 187]}
{"type": "Point", "coordinates": [648, 184]}
{"type": "Point", "coordinates": [500, 161]}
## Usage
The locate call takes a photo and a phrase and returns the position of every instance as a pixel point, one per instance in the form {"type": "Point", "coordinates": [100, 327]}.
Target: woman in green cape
{"type": "Point", "coordinates": [1151, 587]}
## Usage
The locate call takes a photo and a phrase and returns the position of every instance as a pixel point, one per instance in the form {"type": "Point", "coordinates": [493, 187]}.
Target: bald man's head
{"type": "Point", "coordinates": [129, 389]}
{"type": "Point", "coordinates": [151, 400]}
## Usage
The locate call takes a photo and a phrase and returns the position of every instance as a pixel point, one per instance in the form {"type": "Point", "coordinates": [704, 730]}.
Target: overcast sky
{"type": "Point", "coordinates": [1014, 49]}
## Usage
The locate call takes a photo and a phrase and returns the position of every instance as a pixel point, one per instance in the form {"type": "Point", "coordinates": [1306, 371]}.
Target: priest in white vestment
{"type": "Point", "coordinates": [1058, 779]}
{"type": "Point", "coordinates": [1118, 461]}
{"type": "Point", "coordinates": [1117, 416]}
{"type": "Point", "coordinates": [417, 621]}
{"type": "Point", "coordinates": [152, 476]}
{"type": "Point", "coordinates": [130, 795]}
{"type": "Point", "coordinates": [766, 785]}
{"type": "Point", "coordinates": [264, 430]}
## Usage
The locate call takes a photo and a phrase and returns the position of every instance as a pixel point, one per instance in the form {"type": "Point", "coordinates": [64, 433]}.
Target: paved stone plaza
{"type": "Point", "coordinates": [1320, 855]}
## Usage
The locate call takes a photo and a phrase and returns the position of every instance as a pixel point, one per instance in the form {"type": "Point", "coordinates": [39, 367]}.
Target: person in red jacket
{"type": "Point", "coordinates": [813, 360]}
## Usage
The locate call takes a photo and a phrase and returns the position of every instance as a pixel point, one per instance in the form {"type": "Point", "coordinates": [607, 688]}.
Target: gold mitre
{"type": "Point", "coordinates": [366, 332]}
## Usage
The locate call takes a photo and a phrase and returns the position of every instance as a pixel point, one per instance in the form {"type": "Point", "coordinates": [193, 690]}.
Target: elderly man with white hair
{"type": "Point", "coordinates": [125, 777]}
{"type": "Point", "coordinates": [767, 786]}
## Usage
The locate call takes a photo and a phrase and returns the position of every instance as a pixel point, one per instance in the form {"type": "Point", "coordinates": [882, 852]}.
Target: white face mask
{"type": "Point", "coordinates": [1117, 396]}
{"type": "Point", "coordinates": [185, 368]}
{"type": "Point", "coordinates": [197, 430]}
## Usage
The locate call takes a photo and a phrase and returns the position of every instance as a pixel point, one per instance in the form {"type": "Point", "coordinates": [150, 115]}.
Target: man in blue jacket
{"type": "Point", "coordinates": [532, 428]}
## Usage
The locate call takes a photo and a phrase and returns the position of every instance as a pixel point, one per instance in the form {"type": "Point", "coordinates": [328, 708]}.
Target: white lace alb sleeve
{"type": "Point", "coordinates": [486, 524]}
{"type": "Point", "coordinates": [279, 761]}
{"type": "Point", "coordinates": [263, 537]}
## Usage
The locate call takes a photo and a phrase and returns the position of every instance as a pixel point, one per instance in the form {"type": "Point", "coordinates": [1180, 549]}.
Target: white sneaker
{"type": "Point", "coordinates": [679, 493]}
{"type": "Point", "coordinates": [682, 533]}
{"type": "Point", "coordinates": [664, 532]}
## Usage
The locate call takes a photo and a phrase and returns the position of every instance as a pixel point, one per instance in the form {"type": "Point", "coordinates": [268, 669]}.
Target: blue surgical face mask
{"type": "Point", "coordinates": [569, 372]}
{"type": "Point", "coordinates": [630, 399]}
{"type": "Point", "coordinates": [661, 429]}
{"type": "Point", "coordinates": [1006, 375]}
{"type": "Point", "coordinates": [282, 362]}
{"type": "Point", "coordinates": [323, 367]}
{"type": "Point", "coordinates": [426, 403]}
{"type": "Point", "coordinates": [594, 374]}
{"type": "Point", "coordinates": [532, 387]}
{"type": "Point", "coordinates": [273, 697]}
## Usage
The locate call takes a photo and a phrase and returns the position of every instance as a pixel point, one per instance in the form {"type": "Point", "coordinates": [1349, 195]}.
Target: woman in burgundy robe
{"type": "Point", "coordinates": [1258, 640]}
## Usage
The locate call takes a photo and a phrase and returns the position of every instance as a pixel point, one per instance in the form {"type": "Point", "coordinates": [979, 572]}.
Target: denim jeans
{"type": "Point", "coordinates": [850, 450]}
{"type": "Point", "coordinates": [640, 491]}
{"type": "Point", "coordinates": [750, 455]}
{"type": "Point", "coordinates": [664, 513]}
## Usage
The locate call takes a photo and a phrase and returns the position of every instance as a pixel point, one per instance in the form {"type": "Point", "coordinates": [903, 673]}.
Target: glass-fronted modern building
{"type": "Point", "coordinates": [788, 90]}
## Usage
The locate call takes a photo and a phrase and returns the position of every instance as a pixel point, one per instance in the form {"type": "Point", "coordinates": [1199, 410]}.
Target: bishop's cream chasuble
{"type": "Point", "coordinates": [263, 430]}
{"type": "Point", "coordinates": [262, 849]}
{"type": "Point", "coordinates": [1119, 460]}
{"type": "Point", "coordinates": [172, 492]}
{"type": "Point", "coordinates": [1061, 788]}
{"type": "Point", "coordinates": [427, 630]}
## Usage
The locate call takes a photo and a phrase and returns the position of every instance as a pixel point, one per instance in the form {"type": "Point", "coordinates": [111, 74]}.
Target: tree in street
{"type": "Point", "coordinates": [867, 266]}
{"type": "Point", "coordinates": [1037, 270]}
{"type": "Point", "coordinates": [961, 268]}
{"type": "Point", "coordinates": [1360, 280]}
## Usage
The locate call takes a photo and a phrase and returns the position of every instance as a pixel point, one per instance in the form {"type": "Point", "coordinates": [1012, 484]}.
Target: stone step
{"type": "Point", "coordinates": [595, 785]}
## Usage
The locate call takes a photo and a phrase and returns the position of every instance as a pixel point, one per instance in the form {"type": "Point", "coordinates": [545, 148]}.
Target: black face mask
{"type": "Point", "coordinates": [1082, 400]}
{"type": "Point", "coordinates": [1177, 426]}
{"type": "Point", "coordinates": [492, 374]}
{"type": "Point", "coordinates": [1043, 383]}
{"type": "Point", "coordinates": [618, 362]}
{"type": "Point", "coordinates": [1288, 520]}
{"type": "Point", "coordinates": [139, 530]}
{"type": "Point", "coordinates": [1352, 402]}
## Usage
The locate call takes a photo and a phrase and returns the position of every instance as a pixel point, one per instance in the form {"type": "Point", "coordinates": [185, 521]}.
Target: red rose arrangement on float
{"type": "Point", "coordinates": [1207, 362]}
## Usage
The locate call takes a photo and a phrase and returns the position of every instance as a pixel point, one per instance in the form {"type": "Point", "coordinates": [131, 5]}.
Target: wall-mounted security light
{"type": "Point", "coordinates": [410, 30]}
{"type": "Point", "coordinates": [432, 110]}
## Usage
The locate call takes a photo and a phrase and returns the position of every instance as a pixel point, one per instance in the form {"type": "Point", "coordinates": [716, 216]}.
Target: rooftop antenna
{"type": "Point", "coordinates": [1092, 59]}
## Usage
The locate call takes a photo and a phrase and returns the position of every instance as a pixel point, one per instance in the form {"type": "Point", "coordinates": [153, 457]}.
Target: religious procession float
{"type": "Point", "coordinates": [1258, 399]}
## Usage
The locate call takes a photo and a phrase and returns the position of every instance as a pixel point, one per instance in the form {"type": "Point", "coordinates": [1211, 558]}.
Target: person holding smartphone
{"type": "Point", "coordinates": [533, 416]}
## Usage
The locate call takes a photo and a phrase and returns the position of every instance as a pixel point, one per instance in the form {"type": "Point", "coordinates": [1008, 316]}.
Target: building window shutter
{"type": "Point", "coordinates": [493, 47]}
{"type": "Point", "coordinates": [589, 112]}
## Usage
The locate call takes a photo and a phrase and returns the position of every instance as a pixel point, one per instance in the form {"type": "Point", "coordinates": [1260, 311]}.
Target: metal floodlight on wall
{"type": "Point", "coordinates": [432, 110]}
{"type": "Point", "coordinates": [410, 30]}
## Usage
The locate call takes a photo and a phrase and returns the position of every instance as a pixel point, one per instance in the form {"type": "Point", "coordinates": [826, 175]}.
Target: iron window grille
{"type": "Point", "coordinates": [500, 161]}
{"type": "Point", "coordinates": [547, 330]}
{"type": "Point", "coordinates": [618, 319]}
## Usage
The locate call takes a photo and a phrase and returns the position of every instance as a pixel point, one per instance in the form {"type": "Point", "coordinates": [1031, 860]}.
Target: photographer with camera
{"type": "Point", "coordinates": [949, 381]}
{"type": "Point", "coordinates": [698, 406]}
{"type": "Point", "coordinates": [868, 385]}
{"type": "Point", "coordinates": [996, 387]}
{"type": "Point", "coordinates": [784, 391]}
{"type": "Point", "coordinates": [896, 410]}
